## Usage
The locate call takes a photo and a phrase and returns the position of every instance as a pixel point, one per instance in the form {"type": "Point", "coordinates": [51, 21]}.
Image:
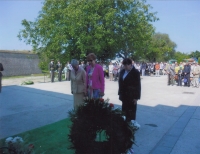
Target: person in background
{"type": "Point", "coordinates": [104, 69]}
{"type": "Point", "coordinates": [181, 65]}
{"type": "Point", "coordinates": [186, 72]}
{"type": "Point", "coordinates": [157, 69]}
{"type": "Point", "coordinates": [176, 70]}
{"type": "Point", "coordinates": [196, 72]}
{"type": "Point", "coordinates": [180, 76]}
{"type": "Point", "coordinates": [69, 66]}
{"type": "Point", "coordinates": [167, 70]}
{"type": "Point", "coordinates": [52, 69]}
{"type": "Point", "coordinates": [78, 83]}
{"type": "Point", "coordinates": [110, 68]}
{"type": "Point", "coordinates": [65, 72]}
{"type": "Point", "coordinates": [161, 68]}
{"type": "Point", "coordinates": [129, 91]}
{"type": "Point", "coordinates": [59, 70]}
{"type": "Point", "coordinates": [143, 68]}
{"type": "Point", "coordinates": [82, 65]}
{"type": "Point", "coordinates": [1, 69]}
{"type": "Point", "coordinates": [115, 71]}
{"type": "Point", "coordinates": [95, 82]}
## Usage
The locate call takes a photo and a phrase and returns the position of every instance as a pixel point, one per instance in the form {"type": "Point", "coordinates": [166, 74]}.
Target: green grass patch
{"type": "Point", "coordinates": [49, 139]}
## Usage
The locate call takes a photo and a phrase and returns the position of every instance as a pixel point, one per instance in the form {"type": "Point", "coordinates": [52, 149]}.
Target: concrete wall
{"type": "Point", "coordinates": [17, 63]}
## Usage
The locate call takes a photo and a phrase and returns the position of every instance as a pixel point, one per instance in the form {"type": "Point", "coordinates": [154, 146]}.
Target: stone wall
{"type": "Point", "coordinates": [17, 63]}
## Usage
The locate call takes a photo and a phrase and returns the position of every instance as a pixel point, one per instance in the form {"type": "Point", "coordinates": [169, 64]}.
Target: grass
{"type": "Point", "coordinates": [49, 139]}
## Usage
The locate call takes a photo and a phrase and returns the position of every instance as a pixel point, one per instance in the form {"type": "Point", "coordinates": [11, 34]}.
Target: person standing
{"type": "Point", "coordinates": [167, 70]}
{"type": "Point", "coordinates": [95, 82]}
{"type": "Point", "coordinates": [143, 68]}
{"type": "Point", "coordinates": [180, 73]}
{"type": "Point", "coordinates": [176, 70]}
{"type": "Point", "coordinates": [52, 69]}
{"type": "Point", "coordinates": [1, 69]}
{"type": "Point", "coordinates": [65, 70]}
{"type": "Point", "coordinates": [196, 72]}
{"type": "Point", "coordinates": [115, 71]}
{"type": "Point", "coordinates": [129, 91]}
{"type": "Point", "coordinates": [186, 72]}
{"type": "Point", "coordinates": [59, 69]}
{"type": "Point", "coordinates": [69, 66]}
{"type": "Point", "coordinates": [110, 67]}
{"type": "Point", "coordinates": [161, 68]}
{"type": "Point", "coordinates": [157, 69]}
{"type": "Point", "coordinates": [78, 83]}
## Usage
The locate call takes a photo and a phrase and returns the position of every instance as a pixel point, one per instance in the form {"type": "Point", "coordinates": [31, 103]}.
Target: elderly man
{"type": "Point", "coordinates": [196, 72]}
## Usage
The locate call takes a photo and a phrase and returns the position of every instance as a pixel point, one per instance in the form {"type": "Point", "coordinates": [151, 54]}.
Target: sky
{"type": "Point", "coordinates": [180, 19]}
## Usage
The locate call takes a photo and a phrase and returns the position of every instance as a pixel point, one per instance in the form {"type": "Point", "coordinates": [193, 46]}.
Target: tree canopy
{"type": "Point", "coordinates": [159, 48]}
{"type": "Point", "coordinates": [74, 28]}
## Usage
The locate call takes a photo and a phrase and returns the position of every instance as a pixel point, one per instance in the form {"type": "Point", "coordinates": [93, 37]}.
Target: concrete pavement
{"type": "Point", "coordinates": [169, 115]}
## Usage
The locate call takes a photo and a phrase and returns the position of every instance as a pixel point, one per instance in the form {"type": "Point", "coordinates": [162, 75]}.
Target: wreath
{"type": "Point", "coordinates": [96, 117]}
{"type": "Point", "coordinates": [27, 83]}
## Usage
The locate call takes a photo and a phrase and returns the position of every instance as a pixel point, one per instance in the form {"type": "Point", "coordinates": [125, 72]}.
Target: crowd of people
{"type": "Point", "coordinates": [180, 74]}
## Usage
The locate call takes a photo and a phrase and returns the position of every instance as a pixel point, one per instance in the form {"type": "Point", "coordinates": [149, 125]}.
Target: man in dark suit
{"type": "Point", "coordinates": [1, 69]}
{"type": "Point", "coordinates": [129, 91]}
{"type": "Point", "coordinates": [52, 69]}
{"type": "Point", "coordinates": [186, 72]}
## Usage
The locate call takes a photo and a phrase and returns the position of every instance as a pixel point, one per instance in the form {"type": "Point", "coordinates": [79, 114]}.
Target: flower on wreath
{"type": "Point", "coordinates": [101, 100]}
{"type": "Point", "coordinates": [111, 105]}
{"type": "Point", "coordinates": [18, 146]}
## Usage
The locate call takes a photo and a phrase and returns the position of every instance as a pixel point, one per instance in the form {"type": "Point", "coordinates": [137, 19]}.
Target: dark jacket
{"type": "Point", "coordinates": [187, 69]}
{"type": "Point", "coordinates": [51, 67]}
{"type": "Point", "coordinates": [130, 87]}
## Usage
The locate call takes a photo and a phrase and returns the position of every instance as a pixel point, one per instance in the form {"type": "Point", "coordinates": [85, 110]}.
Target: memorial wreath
{"type": "Point", "coordinates": [95, 118]}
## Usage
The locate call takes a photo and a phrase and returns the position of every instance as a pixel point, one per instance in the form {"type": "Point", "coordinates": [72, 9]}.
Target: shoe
{"type": "Point", "coordinates": [135, 124]}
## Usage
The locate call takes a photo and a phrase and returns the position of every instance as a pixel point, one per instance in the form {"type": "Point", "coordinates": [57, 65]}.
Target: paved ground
{"type": "Point", "coordinates": [169, 115]}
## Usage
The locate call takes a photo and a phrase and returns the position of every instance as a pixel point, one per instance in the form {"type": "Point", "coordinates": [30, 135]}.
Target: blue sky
{"type": "Point", "coordinates": [180, 19]}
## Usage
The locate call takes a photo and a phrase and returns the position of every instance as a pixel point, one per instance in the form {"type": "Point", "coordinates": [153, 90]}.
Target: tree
{"type": "Point", "coordinates": [180, 56]}
{"type": "Point", "coordinates": [195, 54]}
{"type": "Point", "coordinates": [159, 48]}
{"type": "Point", "coordinates": [74, 28]}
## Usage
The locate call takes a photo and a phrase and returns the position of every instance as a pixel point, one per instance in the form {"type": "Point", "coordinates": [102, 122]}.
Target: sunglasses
{"type": "Point", "coordinates": [90, 60]}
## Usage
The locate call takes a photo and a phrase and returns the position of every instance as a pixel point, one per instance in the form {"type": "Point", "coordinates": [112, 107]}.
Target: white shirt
{"type": "Point", "coordinates": [110, 68]}
{"type": "Point", "coordinates": [125, 74]}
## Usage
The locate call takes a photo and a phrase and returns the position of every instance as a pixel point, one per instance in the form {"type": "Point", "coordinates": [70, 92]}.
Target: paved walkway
{"type": "Point", "coordinates": [169, 115]}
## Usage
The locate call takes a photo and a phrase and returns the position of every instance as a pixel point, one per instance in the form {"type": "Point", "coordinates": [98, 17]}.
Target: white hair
{"type": "Point", "coordinates": [74, 62]}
